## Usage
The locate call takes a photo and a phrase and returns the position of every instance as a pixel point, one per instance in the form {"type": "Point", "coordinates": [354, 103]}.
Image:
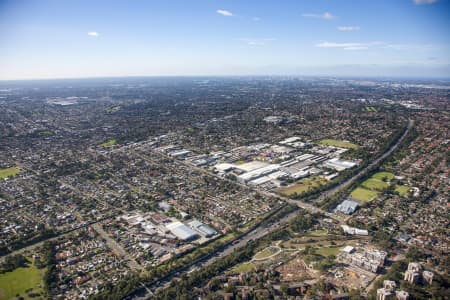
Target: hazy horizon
{"type": "Point", "coordinates": [83, 39]}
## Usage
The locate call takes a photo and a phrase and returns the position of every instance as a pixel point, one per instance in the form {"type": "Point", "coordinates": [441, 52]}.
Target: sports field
{"type": "Point", "coordinates": [370, 188]}
{"type": "Point", "coordinates": [301, 186]}
{"type": "Point", "coordinates": [374, 184]}
{"type": "Point", "coordinates": [381, 175]}
{"type": "Point", "coordinates": [9, 172]}
{"type": "Point", "coordinates": [338, 143]}
{"type": "Point", "coordinates": [21, 280]}
{"type": "Point", "coordinates": [370, 109]}
{"type": "Point", "coordinates": [109, 143]}
{"type": "Point", "coordinates": [402, 189]}
{"type": "Point", "coordinates": [364, 194]}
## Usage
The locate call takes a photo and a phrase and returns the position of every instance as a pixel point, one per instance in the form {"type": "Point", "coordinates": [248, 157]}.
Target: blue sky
{"type": "Point", "coordinates": [79, 38]}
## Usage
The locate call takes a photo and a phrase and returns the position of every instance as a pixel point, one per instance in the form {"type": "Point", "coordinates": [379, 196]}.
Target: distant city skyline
{"type": "Point", "coordinates": [76, 39]}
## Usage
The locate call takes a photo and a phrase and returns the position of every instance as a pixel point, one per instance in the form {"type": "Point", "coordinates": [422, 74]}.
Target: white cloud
{"type": "Point", "coordinates": [376, 45]}
{"type": "Point", "coordinates": [348, 46]}
{"type": "Point", "coordinates": [402, 47]}
{"type": "Point", "coordinates": [425, 1]}
{"type": "Point", "coordinates": [224, 12]}
{"type": "Point", "coordinates": [325, 15]}
{"type": "Point", "coordinates": [356, 48]}
{"type": "Point", "coordinates": [257, 41]}
{"type": "Point", "coordinates": [93, 33]}
{"type": "Point", "coordinates": [348, 28]}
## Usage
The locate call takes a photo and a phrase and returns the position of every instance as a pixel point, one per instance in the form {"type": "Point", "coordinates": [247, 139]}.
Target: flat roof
{"type": "Point", "coordinates": [250, 166]}
{"type": "Point", "coordinates": [181, 231]}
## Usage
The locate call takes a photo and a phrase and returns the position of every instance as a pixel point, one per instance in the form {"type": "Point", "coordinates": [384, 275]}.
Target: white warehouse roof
{"type": "Point", "coordinates": [181, 231]}
{"type": "Point", "coordinates": [202, 228]}
{"type": "Point", "coordinates": [250, 166]}
{"type": "Point", "coordinates": [339, 165]}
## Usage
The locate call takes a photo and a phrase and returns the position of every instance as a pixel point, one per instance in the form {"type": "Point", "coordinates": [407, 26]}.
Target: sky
{"type": "Point", "coordinates": [101, 38]}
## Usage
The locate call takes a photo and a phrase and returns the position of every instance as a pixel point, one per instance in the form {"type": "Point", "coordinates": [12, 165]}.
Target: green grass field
{"type": "Point", "coordinates": [321, 232]}
{"type": "Point", "coordinates": [302, 186]}
{"type": "Point", "coordinates": [381, 175]}
{"type": "Point", "coordinates": [338, 143]}
{"type": "Point", "coordinates": [20, 280]}
{"type": "Point", "coordinates": [269, 251]}
{"type": "Point", "coordinates": [374, 184]}
{"type": "Point", "coordinates": [402, 189]}
{"type": "Point", "coordinates": [370, 188]}
{"type": "Point", "coordinates": [112, 110]}
{"type": "Point", "coordinates": [244, 267]}
{"type": "Point", "coordinates": [9, 172]}
{"type": "Point", "coordinates": [370, 109]}
{"type": "Point", "coordinates": [109, 143]}
{"type": "Point", "coordinates": [46, 133]}
{"type": "Point", "coordinates": [327, 251]}
{"type": "Point", "coordinates": [364, 194]}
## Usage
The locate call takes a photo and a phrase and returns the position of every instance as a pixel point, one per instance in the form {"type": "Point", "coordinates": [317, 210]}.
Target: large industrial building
{"type": "Point", "coordinates": [347, 207]}
{"type": "Point", "coordinates": [339, 165]}
{"type": "Point", "coordinates": [182, 231]}
{"type": "Point", "coordinates": [201, 228]}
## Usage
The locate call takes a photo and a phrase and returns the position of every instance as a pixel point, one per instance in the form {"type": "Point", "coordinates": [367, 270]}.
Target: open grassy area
{"type": "Point", "coordinates": [364, 194]}
{"type": "Point", "coordinates": [370, 188]}
{"type": "Point", "coordinates": [109, 143]}
{"type": "Point", "coordinates": [370, 109]}
{"type": "Point", "coordinates": [302, 186]}
{"type": "Point", "coordinates": [321, 232]}
{"type": "Point", "coordinates": [244, 267]}
{"type": "Point", "coordinates": [381, 175]}
{"type": "Point", "coordinates": [327, 251]}
{"type": "Point", "coordinates": [112, 110]}
{"type": "Point", "coordinates": [20, 280]}
{"type": "Point", "coordinates": [402, 189]}
{"type": "Point", "coordinates": [338, 143]}
{"type": "Point", "coordinates": [9, 172]}
{"type": "Point", "coordinates": [45, 133]}
{"type": "Point", "coordinates": [269, 251]}
{"type": "Point", "coordinates": [374, 184]}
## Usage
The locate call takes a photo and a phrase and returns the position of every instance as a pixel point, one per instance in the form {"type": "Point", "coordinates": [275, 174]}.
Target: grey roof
{"type": "Point", "coordinates": [181, 231]}
{"type": "Point", "coordinates": [202, 228]}
{"type": "Point", "coordinates": [347, 207]}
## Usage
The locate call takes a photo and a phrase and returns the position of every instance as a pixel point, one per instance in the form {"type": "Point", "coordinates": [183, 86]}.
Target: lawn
{"type": "Point", "coordinates": [269, 251]}
{"type": "Point", "coordinates": [45, 133]}
{"type": "Point", "coordinates": [244, 267]}
{"type": "Point", "coordinates": [302, 186]}
{"type": "Point", "coordinates": [381, 175]}
{"type": "Point", "coordinates": [112, 110]}
{"type": "Point", "coordinates": [321, 232]}
{"type": "Point", "coordinates": [20, 280]}
{"type": "Point", "coordinates": [327, 251]}
{"type": "Point", "coordinates": [371, 109]}
{"type": "Point", "coordinates": [364, 194]}
{"type": "Point", "coordinates": [109, 143]}
{"type": "Point", "coordinates": [374, 184]}
{"type": "Point", "coordinates": [338, 143]}
{"type": "Point", "coordinates": [9, 172]}
{"type": "Point", "coordinates": [402, 189]}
